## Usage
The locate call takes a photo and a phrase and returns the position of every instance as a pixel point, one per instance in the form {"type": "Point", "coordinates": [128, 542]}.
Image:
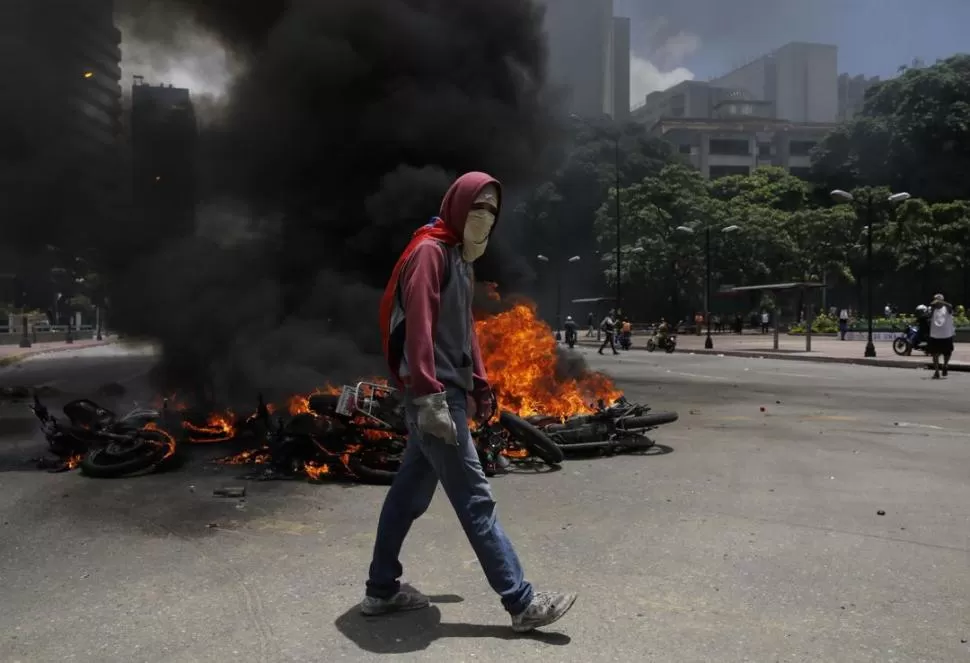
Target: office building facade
{"type": "Point", "coordinates": [164, 137]}
{"type": "Point", "coordinates": [800, 79]}
{"type": "Point", "coordinates": [852, 94]}
{"type": "Point", "coordinates": [581, 54]}
{"type": "Point", "coordinates": [60, 125]}
{"type": "Point", "coordinates": [620, 67]}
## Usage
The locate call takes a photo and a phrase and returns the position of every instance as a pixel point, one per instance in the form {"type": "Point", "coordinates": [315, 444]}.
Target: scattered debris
{"type": "Point", "coordinates": [762, 408]}
{"type": "Point", "coordinates": [230, 491]}
{"type": "Point", "coordinates": [212, 526]}
{"type": "Point", "coordinates": [880, 512]}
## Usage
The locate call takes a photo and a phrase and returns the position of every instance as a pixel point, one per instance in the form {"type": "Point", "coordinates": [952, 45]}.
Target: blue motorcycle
{"type": "Point", "coordinates": [909, 340]}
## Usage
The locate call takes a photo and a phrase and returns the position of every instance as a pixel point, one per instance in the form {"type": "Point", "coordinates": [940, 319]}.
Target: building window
{"type": "Point", "coordinates": [800, 172]}
{"type": "Point", "coordinates": [725, 171]}
{"type": "Point", "coordinates": [729, 147]}
{"type": "Point", "coordinates": [801, 148]}
{"type": "Point", "coordinates": [764, 150]}
{"type": "Point", "coordinates": [684, 149]}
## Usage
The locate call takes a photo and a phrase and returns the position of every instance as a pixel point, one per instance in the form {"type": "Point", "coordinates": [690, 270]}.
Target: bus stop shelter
{"type": "Point", "coordinates": [801, 288]}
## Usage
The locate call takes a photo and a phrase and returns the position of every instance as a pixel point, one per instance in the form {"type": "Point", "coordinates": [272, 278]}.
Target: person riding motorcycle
{"type": "Point", "coordinates": [572, 330]}
{"type": "Point", "coordinates": [923, 325]}
{"type": "Point", "coordinates": [661, 333]}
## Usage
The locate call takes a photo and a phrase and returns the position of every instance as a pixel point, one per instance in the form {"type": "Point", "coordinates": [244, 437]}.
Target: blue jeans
{"type": "Point", "coordinates": [428, 460]}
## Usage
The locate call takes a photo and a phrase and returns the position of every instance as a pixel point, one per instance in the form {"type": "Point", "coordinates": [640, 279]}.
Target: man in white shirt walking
{"type": "Point", "coordinates": [942, 332]}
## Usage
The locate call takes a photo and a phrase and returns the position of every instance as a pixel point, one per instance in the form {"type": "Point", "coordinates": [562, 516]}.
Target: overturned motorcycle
{"type": "Point", "coordinates": [361, 433]}
{"type": "Point", "coordinates": [104, 444]}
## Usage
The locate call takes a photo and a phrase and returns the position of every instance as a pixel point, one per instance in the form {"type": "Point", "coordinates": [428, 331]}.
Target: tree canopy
{"type": "Point", "coordinates": [913, 134]}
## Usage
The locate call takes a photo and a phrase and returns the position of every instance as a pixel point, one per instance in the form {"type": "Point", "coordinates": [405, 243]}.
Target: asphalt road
{"type": "Point", "coordinates": [756, 539]}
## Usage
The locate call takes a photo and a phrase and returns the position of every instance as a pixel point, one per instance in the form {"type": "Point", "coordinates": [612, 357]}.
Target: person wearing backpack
{"type": "Point", "coordinates": [942, 332]}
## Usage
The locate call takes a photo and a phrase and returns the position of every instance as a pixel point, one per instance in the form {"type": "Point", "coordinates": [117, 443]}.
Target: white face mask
{"type": "Point", "coordinates": [478, 227]}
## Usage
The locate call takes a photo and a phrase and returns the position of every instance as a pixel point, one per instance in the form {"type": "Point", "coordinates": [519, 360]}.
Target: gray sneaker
{"type": "Point", "coordinates": [403, 600]}
{"type": "Point", "coordinates": [546, 608]}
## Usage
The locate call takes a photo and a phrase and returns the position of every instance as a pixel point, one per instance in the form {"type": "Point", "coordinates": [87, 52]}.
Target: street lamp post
{"type": "Point", "coordinates": [616, 164]}
{"type": "Point", "coordinates": [870, 213]}
{"type": "Point", "coordinates": [619, 213]}
{"type": "Point", "coordinates": [545, 259]}
{"type": "Point", "coordinates": [709, 341]}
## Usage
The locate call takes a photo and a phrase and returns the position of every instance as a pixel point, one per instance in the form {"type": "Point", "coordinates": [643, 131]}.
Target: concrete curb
{"type": "Point", "coordinates": [10, 360]}
{"type": "Point", "coordinates": [819, 359]}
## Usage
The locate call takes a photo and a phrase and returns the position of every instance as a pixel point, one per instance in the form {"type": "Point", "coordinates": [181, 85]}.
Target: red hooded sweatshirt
{"type": "Point", "coordinates": [419, 274]}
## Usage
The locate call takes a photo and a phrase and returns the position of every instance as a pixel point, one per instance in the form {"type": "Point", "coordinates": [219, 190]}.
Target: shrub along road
{"type": "Point", "coordinates": [757, 538]}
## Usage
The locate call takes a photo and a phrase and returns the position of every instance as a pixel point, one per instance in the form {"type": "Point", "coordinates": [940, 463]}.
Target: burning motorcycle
{"type": "Point", "coordinates": [104, 444]}
{"type": "Point", "coordinates": [620, 427]}
{"type": "Point", "coordinates": [362, 432]}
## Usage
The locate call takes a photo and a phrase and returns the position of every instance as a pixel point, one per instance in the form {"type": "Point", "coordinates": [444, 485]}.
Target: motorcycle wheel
{"type": "Point", "coordinates": [651, 345]}
{"type": "Point", "coordinates": [115, 460]}
{"type": "Point", "coordinates": [366, 473]}
{"type": "Point", "coordinates": [901, 346]}
{"type": "Point", "coordinates": [670, 347]}
{"type": "Point", "coordinates": [534, 440]}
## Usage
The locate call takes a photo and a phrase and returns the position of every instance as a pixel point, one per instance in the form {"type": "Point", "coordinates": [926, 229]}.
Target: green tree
{"type": "Point", "coordinates": [913, 134]}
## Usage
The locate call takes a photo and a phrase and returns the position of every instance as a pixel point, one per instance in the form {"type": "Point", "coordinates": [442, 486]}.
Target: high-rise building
{"type": "Point", "coordinates": [621, 68]}
{"type": "Point", "coordinates": [164, 135]}
{"type": "Point", "coordinates": [60, 120]}
{"type": "Point", "coordinates": [580, 36]}
{"type": "Point", "coordinates": [800, 79]}
{"type": "Point", "coordinates": [852, 94]}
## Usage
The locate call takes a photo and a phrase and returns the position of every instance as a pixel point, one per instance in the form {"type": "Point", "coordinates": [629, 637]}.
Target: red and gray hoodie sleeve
{"type": "Point", "coordinates": [421, 293]}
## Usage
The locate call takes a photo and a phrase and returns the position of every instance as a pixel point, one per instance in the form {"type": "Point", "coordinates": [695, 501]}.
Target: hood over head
{"type": "Point", "coordinates": [460, 197]}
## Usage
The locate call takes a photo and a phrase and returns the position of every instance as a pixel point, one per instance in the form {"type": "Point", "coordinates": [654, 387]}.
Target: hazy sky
{"type": "Point", "coordinates": [675, 40]}
{"type": "Point", "coordinates": [874, 37]}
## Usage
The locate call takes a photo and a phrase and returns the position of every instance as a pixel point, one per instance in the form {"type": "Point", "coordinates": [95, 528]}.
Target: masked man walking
{"type": "Point", "coordinates": [942, 332]}
{"type": "Point", "coordinates": [433, 353]}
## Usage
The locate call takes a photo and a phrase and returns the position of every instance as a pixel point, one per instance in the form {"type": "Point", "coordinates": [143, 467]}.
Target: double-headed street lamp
{"type": "Point", "coordinates": [870, 213]}
{"type": "Point", "coordinates": [543, 258]}
{"type": "Point", "coordinates": [708, 342]}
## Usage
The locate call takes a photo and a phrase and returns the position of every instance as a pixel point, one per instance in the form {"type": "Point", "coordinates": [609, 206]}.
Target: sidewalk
{"type": "Point", "coordinates": [824, 349]}
{"type": "Point", "coordinates": [13, 353]}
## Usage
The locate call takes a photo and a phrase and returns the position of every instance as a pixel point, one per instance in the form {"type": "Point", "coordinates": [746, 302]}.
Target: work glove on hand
{"type": "Point", "coordinates": [485, 402]}
{"type": "Point", "coordinates": [434, 417]}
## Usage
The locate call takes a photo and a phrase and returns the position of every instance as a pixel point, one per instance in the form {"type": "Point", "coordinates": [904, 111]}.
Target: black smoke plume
{"type": "Point", "coordinates": [348, 122]}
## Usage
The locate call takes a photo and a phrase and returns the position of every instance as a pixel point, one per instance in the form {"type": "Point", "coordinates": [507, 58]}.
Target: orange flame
{"type": "Point", "coordinates": [300, 403]}
{"type": "Point", "coordinates": [248, 457]}
{"type": "Point", "coordinates": [218, 427]}
{"type": "Point", "coordinates": [315, 471]}
{"type": "Point", "coordinates": [519, 352]}
{"type": "Point", "coordinates": [169, 440]}
{"type": "Point", "coordinates": [73, 462]}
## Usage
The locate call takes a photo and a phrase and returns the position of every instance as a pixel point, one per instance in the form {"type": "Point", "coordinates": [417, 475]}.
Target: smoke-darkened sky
{"type": "Point", "coordinates": [874, 37]}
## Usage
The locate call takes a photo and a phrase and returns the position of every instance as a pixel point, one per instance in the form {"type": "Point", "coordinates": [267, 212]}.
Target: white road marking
{"type": "Point", "coordinates": [698, 375]}
{"type": "Point", "coordinates": [799, 375]}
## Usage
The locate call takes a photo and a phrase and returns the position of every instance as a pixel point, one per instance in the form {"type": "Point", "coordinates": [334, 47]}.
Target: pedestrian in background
{"type": "Point", "coordinates": [591, 323]}
{"type": "Point", "coordinates": [942, 332]}
{"type": "Point", "coordinates": [608, 327]}
{"type": "Point", "coordinates": [843, 323]}
{"type": "Point", "coordinates": [765, 321]}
